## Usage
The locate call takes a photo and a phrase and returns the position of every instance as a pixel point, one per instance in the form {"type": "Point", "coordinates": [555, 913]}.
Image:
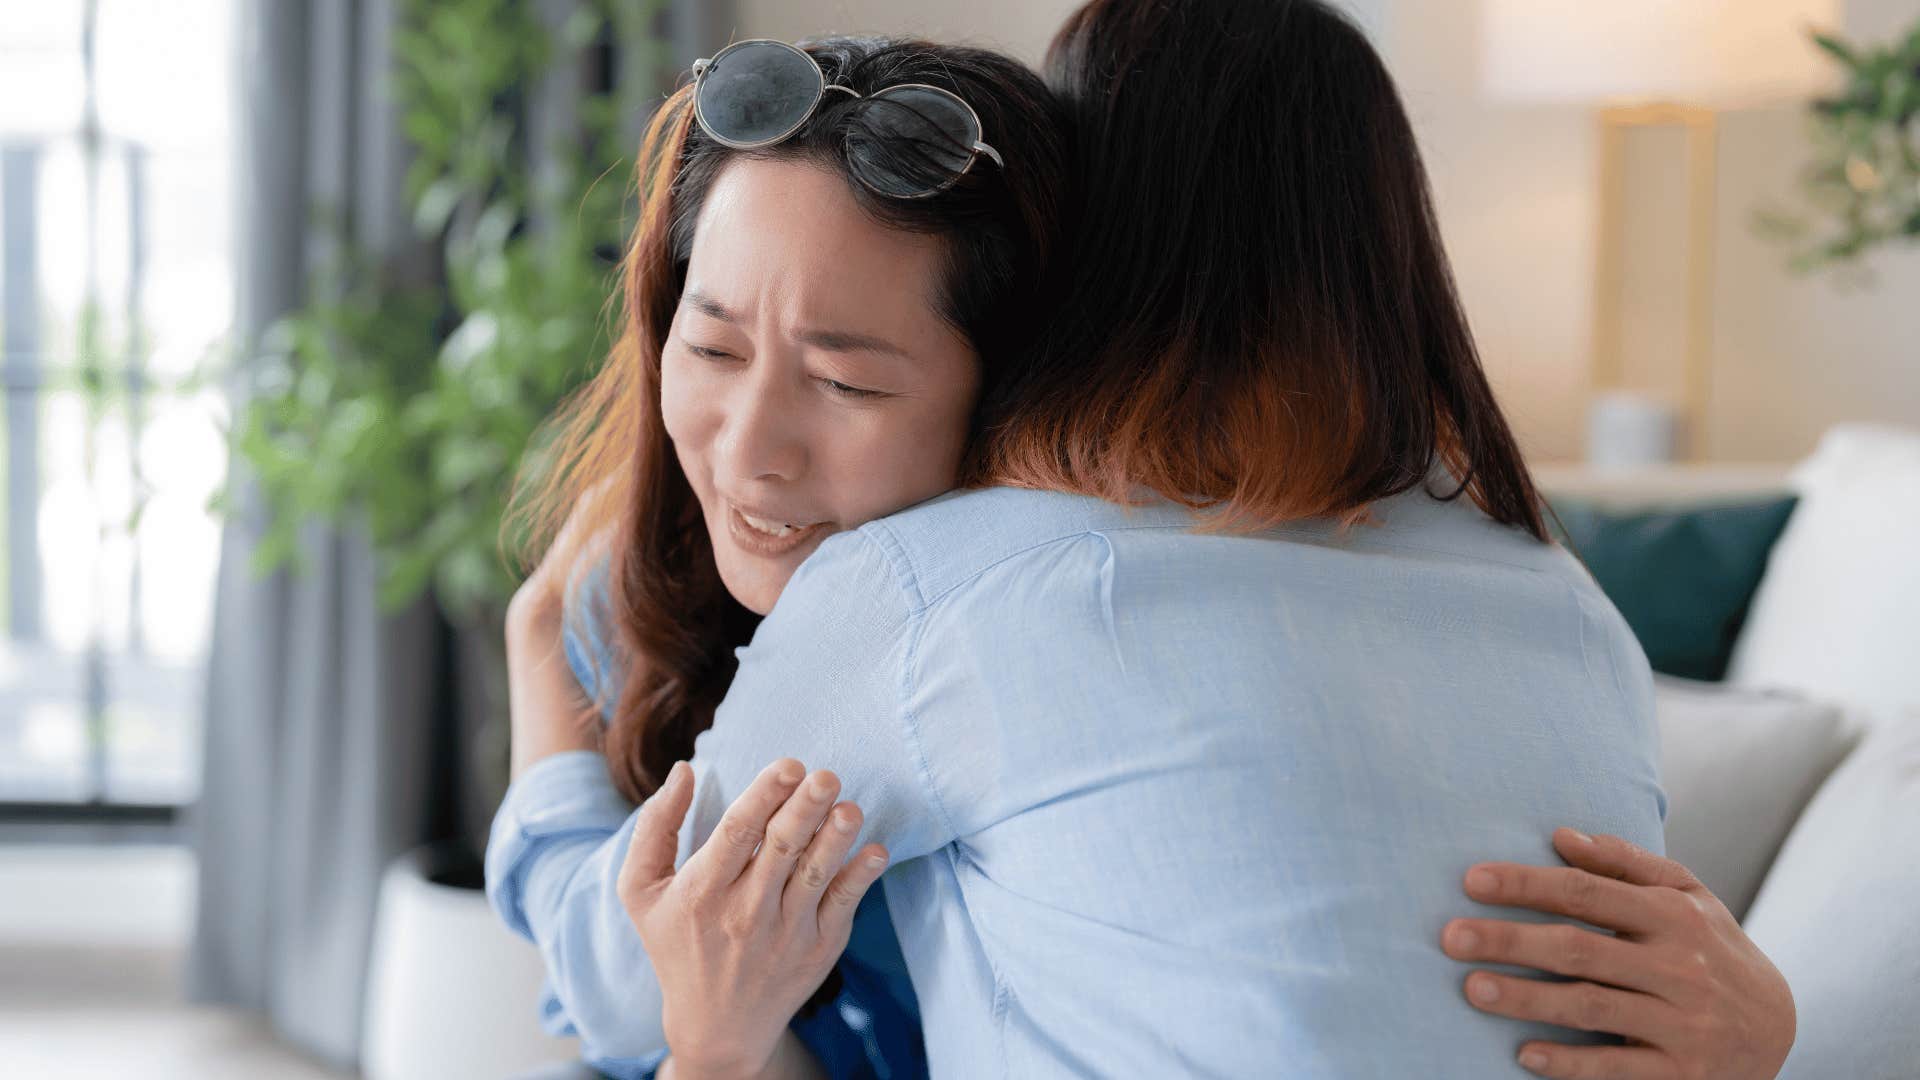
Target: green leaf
{"type": "Point", "coordinates": [436, 205]}
{"type": "Point", "coordinates": [409, 409]}
{"type": "Point", "coordinates": [1838, 49]}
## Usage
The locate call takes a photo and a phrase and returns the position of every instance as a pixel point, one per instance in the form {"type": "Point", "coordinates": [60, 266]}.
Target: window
{"type": "Point", "coordinates": [116, 286]}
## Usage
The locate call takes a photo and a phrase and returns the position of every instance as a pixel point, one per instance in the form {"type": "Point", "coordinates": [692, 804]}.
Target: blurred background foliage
{"type": "Point", "coordinates": [411, 405]}
{"type": "Point", "coordinates": [1861, 189]}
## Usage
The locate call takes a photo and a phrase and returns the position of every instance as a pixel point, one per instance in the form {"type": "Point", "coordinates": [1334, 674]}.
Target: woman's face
{"type": "Point", "coordinates": [808, 384]}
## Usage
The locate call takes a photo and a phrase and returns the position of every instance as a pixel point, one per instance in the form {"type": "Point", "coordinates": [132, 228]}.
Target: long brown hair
{"type": "Point", "coordinates": [1272, 332]}
{"type": "Point", "coordinates": [606, 449]}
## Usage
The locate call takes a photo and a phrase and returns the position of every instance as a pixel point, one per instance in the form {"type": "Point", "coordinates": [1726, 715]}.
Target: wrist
{"type": "Point", "coordinates": [684, 1067]}
{"type": "Point", "coordinates": [729, 1059]}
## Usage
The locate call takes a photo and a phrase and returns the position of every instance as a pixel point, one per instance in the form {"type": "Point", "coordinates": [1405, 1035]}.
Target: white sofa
{"type": "Point", "coordinates": [1794, 787]}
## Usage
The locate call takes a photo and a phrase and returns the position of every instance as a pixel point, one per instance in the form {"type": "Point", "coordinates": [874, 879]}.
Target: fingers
{"type": "Point", "coordinates": [849, 885]}
{"type": "Point", "coordinates": [1558, 948]}
{"type": "Point", "coordinates": [1613, 857]}
{"type": "Point", "coordinates": [1596, 1062]}
{"type": "Point", "coordinates": [791, 830]}
{"type": "Point", "coordinates": [656, 832]}
{"type": "Point", "coordinates": [1583, 1005]}
{"type": "Point", "coordinates": [582, 510]}
{"type": "Point", "coordinates": [824, 858]}
{"type": "Point", "coordinates": [1591, 898]}
{"type": "Point", "coordinates": [720, 860]}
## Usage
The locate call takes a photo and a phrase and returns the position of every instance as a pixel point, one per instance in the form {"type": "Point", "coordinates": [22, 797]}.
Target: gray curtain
{"type": "Point", "coordinates": [336, 737]}
{"type": "Point", "coordinates": [320, 711]}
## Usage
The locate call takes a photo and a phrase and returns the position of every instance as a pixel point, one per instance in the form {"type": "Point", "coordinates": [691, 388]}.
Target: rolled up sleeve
{"type": "Point", "coordinates": [560, 803]}
{"type": "Point", "coordinates": [562, 832]}
{"type": "Point", "coordinates": [553, 861]}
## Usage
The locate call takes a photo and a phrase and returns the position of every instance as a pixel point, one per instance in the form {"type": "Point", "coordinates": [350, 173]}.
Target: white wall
{"type": "Point", "coordinates": [1793, 354]}
{"type": "Point", "coordinates": [1019, 27]}
{"type": "Point", "coordinates": [1515, 188]}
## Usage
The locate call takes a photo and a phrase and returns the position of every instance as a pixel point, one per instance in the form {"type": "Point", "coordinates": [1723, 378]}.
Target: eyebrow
{"type": "Point", "coordinates": [830, 340]}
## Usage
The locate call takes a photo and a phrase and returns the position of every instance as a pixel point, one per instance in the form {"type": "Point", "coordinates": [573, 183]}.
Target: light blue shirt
{"type": "Point", "coordinates": [1158, 801]}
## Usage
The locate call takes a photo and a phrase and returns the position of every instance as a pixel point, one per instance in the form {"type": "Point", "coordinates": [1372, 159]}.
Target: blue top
{"type": "Point", "coordinates": [870, 1029]}
{"type": "Point", "coordinates": [1158, 801]}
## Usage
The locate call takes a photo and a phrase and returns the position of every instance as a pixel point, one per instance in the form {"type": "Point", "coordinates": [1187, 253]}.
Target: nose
{"type": "Point", "coordinates": [762, 437]}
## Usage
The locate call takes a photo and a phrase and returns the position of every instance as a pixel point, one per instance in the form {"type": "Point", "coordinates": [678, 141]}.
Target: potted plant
{"type": "Point", "coordinates": [405, 405]}
{"type": "Point", "coordinates": [1862, 186]}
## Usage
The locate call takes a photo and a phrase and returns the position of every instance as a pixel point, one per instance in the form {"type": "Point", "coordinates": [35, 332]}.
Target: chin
{"type": "Point", "coordinates": [752, 587]}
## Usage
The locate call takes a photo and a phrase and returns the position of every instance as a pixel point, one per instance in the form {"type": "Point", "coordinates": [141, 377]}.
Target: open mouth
{"type": "Point", "coordinates": [771, 528]}
{"type": "Point", "coordinates": [768, 536]}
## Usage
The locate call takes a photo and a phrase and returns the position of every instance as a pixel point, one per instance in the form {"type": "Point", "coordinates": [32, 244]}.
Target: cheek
{"type": "Point", "coordinates": [902, 460]}
{"type": "Point", "coordinates": [939, 437]}
{"type": "Point", "coordinates": [681, 411]}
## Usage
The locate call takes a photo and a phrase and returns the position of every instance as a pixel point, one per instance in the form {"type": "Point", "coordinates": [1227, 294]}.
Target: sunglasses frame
{"type": "Point", "coordinates": [976, 149]}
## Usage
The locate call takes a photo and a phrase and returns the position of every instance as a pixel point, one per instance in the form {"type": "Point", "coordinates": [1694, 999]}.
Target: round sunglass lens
{"type": "Point", "coordinates": [758, 92]}
{"type": "Point", "coordinates": [912, 141]}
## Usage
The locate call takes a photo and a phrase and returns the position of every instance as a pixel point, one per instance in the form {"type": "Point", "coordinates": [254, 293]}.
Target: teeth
{"type": "Point", "coordinates": [771, 528]}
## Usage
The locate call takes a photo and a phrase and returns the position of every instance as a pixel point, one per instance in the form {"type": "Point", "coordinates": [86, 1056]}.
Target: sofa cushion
{"type": "Point", "coordinates": [1839, 914]}
{"type": "Point", "coordinates": [1738, 767]}
{"type": "Point", "coordinates": [1682, 577]}
{"type": "Point", "coordinates": [1837, 615]}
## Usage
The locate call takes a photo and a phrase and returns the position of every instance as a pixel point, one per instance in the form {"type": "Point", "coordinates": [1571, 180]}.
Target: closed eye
{"type": "Point", "coordinates": [834, 385]}
{"type": "Point", "coordinates": [844, 390]}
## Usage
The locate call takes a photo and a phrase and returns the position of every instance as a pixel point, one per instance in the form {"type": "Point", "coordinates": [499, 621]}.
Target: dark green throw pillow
{"type": "Point", "coordinates": [1682, 577]}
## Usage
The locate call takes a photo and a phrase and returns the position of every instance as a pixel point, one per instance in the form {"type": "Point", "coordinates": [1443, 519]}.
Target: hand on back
{"type": "Point", "coordinates": [1677, 977]}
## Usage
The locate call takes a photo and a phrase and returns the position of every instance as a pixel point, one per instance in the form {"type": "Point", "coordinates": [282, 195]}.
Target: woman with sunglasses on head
{"type": "Point", "coordinates": [831, 263]}
{"type": "Point", "coordinates": [718, 1001]}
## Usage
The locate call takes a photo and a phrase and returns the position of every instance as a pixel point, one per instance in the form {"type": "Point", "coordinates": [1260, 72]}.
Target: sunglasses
{"type": "Point", "coordinates": [910, 141]}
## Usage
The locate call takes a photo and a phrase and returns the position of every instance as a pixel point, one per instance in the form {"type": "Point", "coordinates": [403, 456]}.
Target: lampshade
{"type": "Point", "coordinates": [1697, 52]}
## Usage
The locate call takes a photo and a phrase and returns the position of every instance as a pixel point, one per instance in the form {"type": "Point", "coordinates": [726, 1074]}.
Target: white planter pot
{"type": "Point", "coordinates": [450, 991]}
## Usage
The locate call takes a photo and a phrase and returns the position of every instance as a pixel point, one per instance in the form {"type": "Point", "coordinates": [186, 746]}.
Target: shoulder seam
{"type": "Point", "coordinates": [925, 601]}
{"type": "Point", "coordinates": [895, 553]}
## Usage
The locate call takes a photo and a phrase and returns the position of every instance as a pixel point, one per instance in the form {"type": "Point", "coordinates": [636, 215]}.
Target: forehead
{"type": "Point", "coordinates": [787, 238]}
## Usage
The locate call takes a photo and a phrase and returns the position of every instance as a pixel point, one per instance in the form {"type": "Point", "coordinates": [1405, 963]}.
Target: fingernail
{"type": "Point", "coordinates": [792, 774]}
{"type": "Point", "coordinates": [1482, 880]}
{"type": "Point", "coordinates": [1585, 839]}
{"type": "Point", "coordinates": [1533, 1059]}
{"type": "Point", "coordinates": [1463, 939]}
{"type": "Point", "coordinates": [1484, 990]}
{"type": "Point", "coordinates": [843, 822]}
{"type": "Point", "coordinates": [876, 861]}
{"type": "Point", "coordinates": [819, 788]}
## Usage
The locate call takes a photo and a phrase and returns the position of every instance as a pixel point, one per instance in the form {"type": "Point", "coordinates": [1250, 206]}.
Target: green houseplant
{"type": "Point", "coordinates": [412, 405]}
{"type": "Point", "coordinates": [407, 408]}
{"type": "Point", "coordinates": [1862, 186]}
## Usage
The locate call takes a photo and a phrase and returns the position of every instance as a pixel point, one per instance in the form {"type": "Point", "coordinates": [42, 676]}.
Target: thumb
{"type": "Point", "coordinates": [656, 833]}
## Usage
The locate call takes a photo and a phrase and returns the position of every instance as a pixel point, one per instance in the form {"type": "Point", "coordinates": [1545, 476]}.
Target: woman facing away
{"type": "Point", "coordinates": [1272, 335]}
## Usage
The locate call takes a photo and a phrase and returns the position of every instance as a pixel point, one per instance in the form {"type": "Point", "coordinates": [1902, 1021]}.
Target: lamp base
{"type": "Point", "coordinates": [1626, 430]}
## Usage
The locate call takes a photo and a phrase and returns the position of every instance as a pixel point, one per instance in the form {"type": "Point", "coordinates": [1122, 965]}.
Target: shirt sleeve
{"type": "Point", "coordinates": [827, 681]}
{"type": "Point", "coordinates": [823, 682]}
{"type": "Point", "coordinates": [553, 857]}
{"type": "Point", "coordinates": [553, 861]}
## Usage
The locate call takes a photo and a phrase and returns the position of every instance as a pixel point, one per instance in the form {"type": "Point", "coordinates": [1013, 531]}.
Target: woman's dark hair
{"type": "Point", "coordinates": [1254, 313]}
{"type": "Point", "coordinates": [608, 453]}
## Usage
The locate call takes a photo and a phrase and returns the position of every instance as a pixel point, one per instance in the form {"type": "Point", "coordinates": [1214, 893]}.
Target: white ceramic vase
{"type": "Point", "coordinates": [450, 991]}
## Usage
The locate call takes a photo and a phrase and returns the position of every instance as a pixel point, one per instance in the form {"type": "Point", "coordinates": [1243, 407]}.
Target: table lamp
{"type": "Point", "coordinates": [1652, 64]}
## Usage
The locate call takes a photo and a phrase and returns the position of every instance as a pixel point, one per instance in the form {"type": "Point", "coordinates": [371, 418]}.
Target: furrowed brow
{"type": "Point", "coordinates": [843, 341]}
{"type": "Point", "coordinates": [708, 306]}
